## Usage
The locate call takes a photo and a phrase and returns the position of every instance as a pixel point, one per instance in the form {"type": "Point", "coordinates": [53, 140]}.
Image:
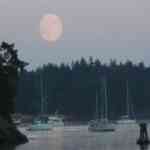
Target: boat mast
{"type": "Point", "coordinates": [105, 100]}
{"type": "Point", "coordinates": [41, 92]}
{"type": "Point", "coordinates": [127, 98]}
{"type": "Point", "coordinates": [97, 115]}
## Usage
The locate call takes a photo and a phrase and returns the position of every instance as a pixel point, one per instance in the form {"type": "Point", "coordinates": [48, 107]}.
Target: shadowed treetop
{"type": "Point", "coordinates": [10, 66]}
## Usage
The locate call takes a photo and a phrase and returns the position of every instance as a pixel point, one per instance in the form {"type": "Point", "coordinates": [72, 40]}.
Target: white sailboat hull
{"type": "Point", "coordinates": [55, 121]}
{"type": "Point", "coordinates": [40, 127]}
{"type": "Point", "coordinates": [100, 126]}
{"type": "Point", "coordinates": [57, 124]}
{"type": "Point", "coordinates": [129, 121]}
{"type": "Point", "coordinates": [107, 128]}
{"type": "Point", "coordinates": [126, 120]}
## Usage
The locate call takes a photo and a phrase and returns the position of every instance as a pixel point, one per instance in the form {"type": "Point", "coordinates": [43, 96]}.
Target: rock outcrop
{"type": "Point", "coordinates": [9, 134]}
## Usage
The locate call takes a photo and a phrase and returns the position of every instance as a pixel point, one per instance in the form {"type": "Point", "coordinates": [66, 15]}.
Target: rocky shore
{"type": "Point", "coordinates": [9, 134]}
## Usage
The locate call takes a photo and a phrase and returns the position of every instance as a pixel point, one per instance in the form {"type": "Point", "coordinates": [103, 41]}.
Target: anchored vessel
{"type": "Point", "coordinates": [56, 121]}
{"type": "Point", "coordinates": [42, 122]}
{"type": "Point", "coordinates": [126, 119]}
{"type": "Point", "coordinates": [40, 125]}
{"type": "Point", "coordinates": [102, 124]}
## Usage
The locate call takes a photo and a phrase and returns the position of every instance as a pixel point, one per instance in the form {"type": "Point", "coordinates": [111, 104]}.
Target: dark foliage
{"type": "Point", "coordinates": [71, 89]}
{"type": "Point", "coordinates": [10, 66]}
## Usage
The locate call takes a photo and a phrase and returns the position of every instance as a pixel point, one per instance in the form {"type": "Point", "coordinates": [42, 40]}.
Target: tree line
{"type": "Point", "coordinates": [71, 89]}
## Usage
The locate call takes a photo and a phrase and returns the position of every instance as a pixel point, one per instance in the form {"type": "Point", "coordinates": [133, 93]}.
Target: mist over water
{"type": "Point", "coordinates": [79, 138]}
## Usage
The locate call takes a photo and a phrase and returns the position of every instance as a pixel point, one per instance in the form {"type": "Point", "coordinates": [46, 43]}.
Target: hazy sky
{"type": "Point", "coordinates": [105, 29]}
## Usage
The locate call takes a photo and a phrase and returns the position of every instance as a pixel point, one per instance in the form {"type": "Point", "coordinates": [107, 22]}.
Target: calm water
{"type": "Point", "coordinates": [79, 138]}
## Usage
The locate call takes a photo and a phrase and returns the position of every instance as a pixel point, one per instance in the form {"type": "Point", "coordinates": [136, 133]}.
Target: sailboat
{"type": "Point", "coordinates": [126, 119]}
{"type": "Point", "coordinates": [102, 124]}
{"type": "Point", "coordinates": [56, 120]}
{"type": "Point", "coordinates": [41, 123]}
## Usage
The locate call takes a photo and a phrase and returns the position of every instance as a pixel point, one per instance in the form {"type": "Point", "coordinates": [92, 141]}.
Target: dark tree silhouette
{"type": "Point", "coordinates": [10, 67]}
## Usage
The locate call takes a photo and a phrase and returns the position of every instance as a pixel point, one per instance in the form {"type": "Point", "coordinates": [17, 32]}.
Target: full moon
{"type": "Point", "coordinates": [51, 27]}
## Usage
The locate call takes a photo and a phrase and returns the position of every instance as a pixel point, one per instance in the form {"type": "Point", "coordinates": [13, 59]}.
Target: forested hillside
{"type": "Point", "coordinates": [71, 89]}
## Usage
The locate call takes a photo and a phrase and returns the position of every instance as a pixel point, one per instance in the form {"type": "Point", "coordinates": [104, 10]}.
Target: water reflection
{"type": "Point", "coordinates": [144, 147]}
{"type": "Point", "coordinates": [79, 138]}
{"type": "Point", "coordinates": [7, 147]}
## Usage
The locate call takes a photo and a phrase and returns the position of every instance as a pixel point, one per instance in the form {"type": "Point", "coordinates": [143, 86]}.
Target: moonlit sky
{"type": "Point", "coordinates": [105, 29]}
